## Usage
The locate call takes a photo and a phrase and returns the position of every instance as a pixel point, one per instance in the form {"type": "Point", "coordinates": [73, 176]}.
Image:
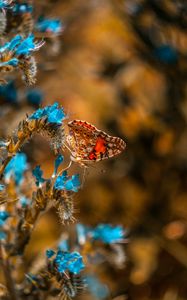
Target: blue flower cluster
{"type": "Point", "coordinates": [49, 25]}
{"type": "Point", "coordinates": [19, 48]}
{"type": "Point", "coordinates": [4, 215]}
{"type": "Point", "coordinates": [67, 261]}
{"type": "Point", "coordinates": [16, 168]}
{"type": "Point", "coordinates": [52, 113]}
{"type": "Point", "coordinates": [68, 183]}
{"type": "Point", "coordinates": [106, 233]}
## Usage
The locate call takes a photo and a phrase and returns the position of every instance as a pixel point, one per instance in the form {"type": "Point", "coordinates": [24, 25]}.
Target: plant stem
{"type": "Point", "coordinates": [7, 273]}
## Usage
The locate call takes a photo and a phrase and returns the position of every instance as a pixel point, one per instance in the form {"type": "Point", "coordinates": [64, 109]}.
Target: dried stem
{"type": "Point", "coordinates": [26, 224]}
{"type": "Point", "coordinates": [5, 265]}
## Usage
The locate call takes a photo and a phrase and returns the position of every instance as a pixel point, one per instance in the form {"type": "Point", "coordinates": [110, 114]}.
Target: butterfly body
{"type": "Point", "coordinates": [90, 144]}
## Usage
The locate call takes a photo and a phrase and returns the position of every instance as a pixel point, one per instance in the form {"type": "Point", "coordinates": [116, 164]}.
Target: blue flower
{"type": "Point", "coordinates": [16, 168]}
{"type": "Point", "coordinates": [64, 182]}
{"type": "Point", "coordinates": [58, 161]}
{"type": "Point", "coordinates": [166, 54]}
{"type": "Point", "coordinates": [49, 25]}
{"type": "Point", "coordinates": [2, 187]}
{"type": "Point", "coordinates": [24, 201]}
{"type": "Point", "coordinates": [9, 92]}
{"type": "Point", "coordinates": [66, 261]}
{"type": "Point", "coordinates": [11, 46]}
{"type": "Point", "coordinates": [27, 45]}
{"type": "Point", "coordinates": [4, 215]}
{"type": "Point", "coordinates": [22, 8]}
{"type": "Point", "coordinates": [5, 3]}
{"type": "Point", "coordinates": [50, 253]}
{"type": "Point", "coordinates": [108, 233]}
{"type": "Point", "coordinates": [52, 113]}
{"type": "Point", "coordinates": [3, 235]}
{"type": "Point", "coordinates": [37, 173]}
{"type": "Point", "coordinates": [20, 46]}
{"type": "Point", "coordinates": [11, 62]}
{"type": "Point", "coordinates": [60, 181]}
{"type": "Point", "coordinates": [34, 96]}
{"type": "Point", "coordinates": [56, 116]}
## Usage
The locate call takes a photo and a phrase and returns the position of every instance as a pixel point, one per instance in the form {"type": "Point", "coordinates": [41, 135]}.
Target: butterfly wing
{"type": "Point", "coordinates": [90, 144]}
{"type": "Point", "coordinates": [81, 138]}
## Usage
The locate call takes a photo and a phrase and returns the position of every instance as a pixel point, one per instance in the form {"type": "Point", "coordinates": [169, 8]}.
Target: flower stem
{"type": "Point", "coordinates": [5, 265]}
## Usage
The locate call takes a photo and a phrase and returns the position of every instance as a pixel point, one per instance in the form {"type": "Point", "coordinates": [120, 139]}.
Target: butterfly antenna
{"type": "Point", "coordinates": [64, 169]}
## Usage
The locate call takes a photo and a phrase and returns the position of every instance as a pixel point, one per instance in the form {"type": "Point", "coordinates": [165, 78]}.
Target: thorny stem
{"type": "Point", "coordinates": [7, 273]}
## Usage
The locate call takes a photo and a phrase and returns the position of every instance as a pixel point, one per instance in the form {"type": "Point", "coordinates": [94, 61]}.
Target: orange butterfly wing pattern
{"type": "Point", "coordinates": [90, 144]}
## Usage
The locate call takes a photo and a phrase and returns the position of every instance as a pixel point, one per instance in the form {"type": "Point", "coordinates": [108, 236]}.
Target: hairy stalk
{"type": "Point", "coordinates": [26, 225]}
{"type": "Point", "coordinates": [5, 265]}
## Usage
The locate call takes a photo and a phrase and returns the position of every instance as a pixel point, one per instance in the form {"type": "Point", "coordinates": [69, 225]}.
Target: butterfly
{"type": "Point", "coordinates": [89, 144]}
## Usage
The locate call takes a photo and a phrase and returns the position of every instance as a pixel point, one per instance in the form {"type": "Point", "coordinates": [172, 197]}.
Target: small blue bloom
{"type": "Point", "coordinates": [53, 113]}
{"type": "Point", "coordinates": [20, 46]}
{"type": "Point", "coordinates": [9, 92]}
{"type": "Point", "coordinates": [4, 215]}
{"type": "Point", "coordinates": [60, 181]}
{"type": "Point", "coordinates": [5, 3]}
{"type": "Point", "coordinates": [38, 114]}
{"type": "Point", "coordinates": [2, 187]}
{"type": "Point", "coordinates": [73, 184]}
{"type": "Point", "coordinates": [24, 201]}
{"type": "Point", "coordinates": [37, 173]}
{"type": "Point", "coordinates": [22, 8]}
{"type": "Point", "coordinates": [26, 46]}
{"type": "Point", "coordinates": [50, 253]}
{"type": "Point", "coordinates": [108, 233]}
{"type": "Point", "coordinates": [49, 25]}
{"type": "Point", "coordinates": [11, 46]}
{"type": "Point", "coordinates": [58, 161]}
{"type": "Point", "coordinates": [166, 54]}
{"type": "Point", "coordinates": [69, 261]}
{"type": "Point", "coordinates": [34, 96]}
{"type": "Point", "coordinates": [3, 235]}
{"type": "Point", "coordinates": [11, 62]}
{"type": "Point", "coordinates": [64, 182]}
{"type": "Point", "coordinates": [16, 168]}
{"type": "Point", "coordinates": [63, 246]}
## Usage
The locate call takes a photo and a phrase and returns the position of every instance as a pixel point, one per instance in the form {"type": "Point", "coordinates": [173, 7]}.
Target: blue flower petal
{"type": "Point", "coordinates": [37, 173]}
{"type": "Point", "coordinates": [16, 168]}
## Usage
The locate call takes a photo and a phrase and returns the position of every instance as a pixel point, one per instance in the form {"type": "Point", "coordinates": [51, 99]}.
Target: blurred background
{"type": "Point", "coordinates": [122, 66]}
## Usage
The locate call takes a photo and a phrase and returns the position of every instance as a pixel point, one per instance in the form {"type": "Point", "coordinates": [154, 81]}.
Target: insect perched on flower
{"type": "Point", "coordinates": [89, 144]}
